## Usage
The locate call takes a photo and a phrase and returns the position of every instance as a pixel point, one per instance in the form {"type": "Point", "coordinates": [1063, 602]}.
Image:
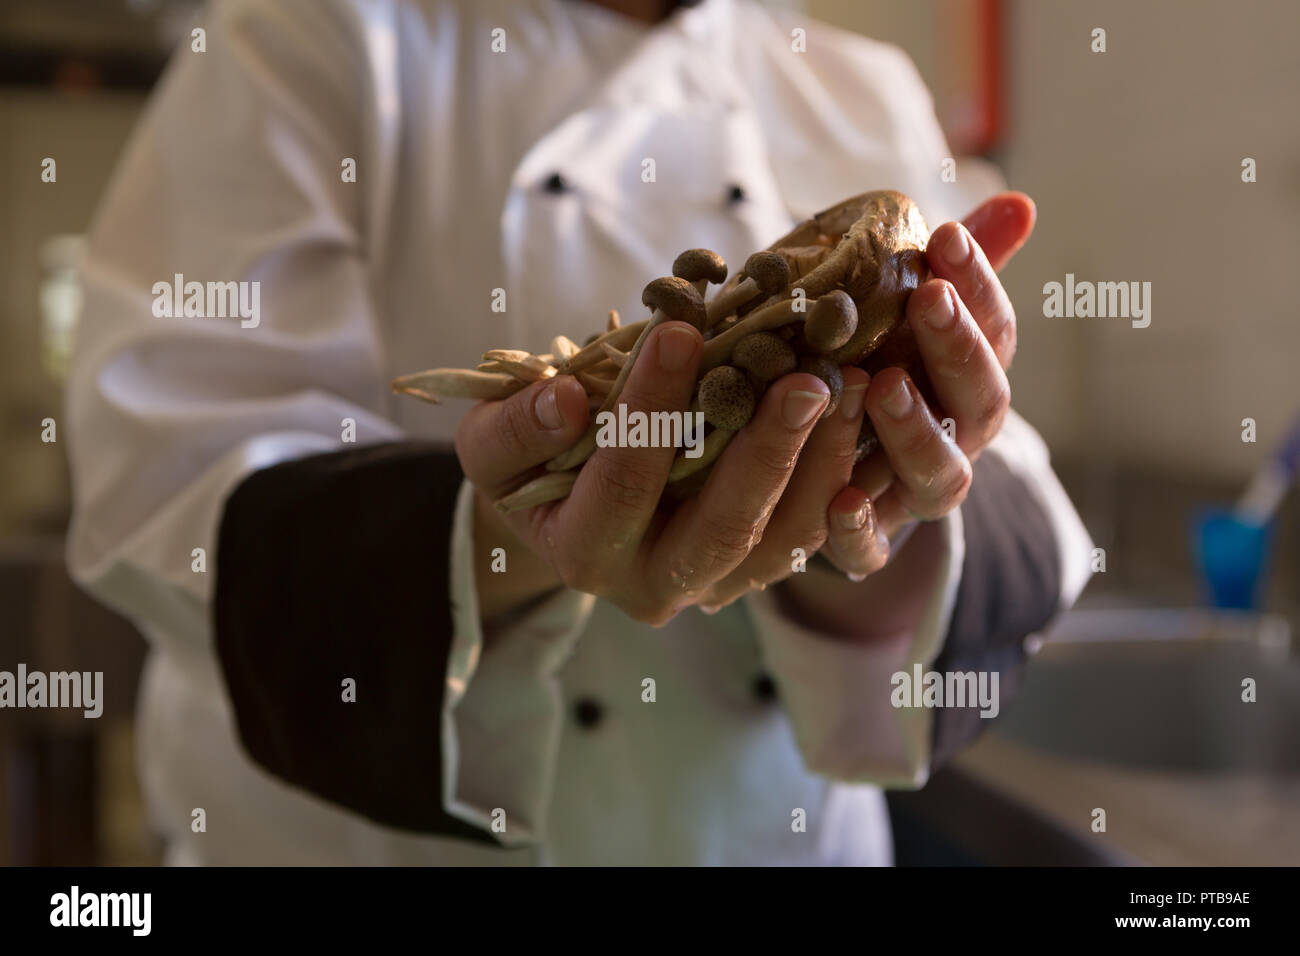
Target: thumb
{"type": "Point", "coordinates": [500, 440]}
{"type": "Point", "coordinates": [1001, 225]}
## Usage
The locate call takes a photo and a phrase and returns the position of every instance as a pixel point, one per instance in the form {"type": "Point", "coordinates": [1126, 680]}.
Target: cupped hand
{"type": "Point", "coordinates": [611, 537]}
{"type": "Point", "coordinates": [965, 330]}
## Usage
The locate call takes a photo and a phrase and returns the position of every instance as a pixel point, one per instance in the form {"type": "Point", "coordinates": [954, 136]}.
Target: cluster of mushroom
{"type": "Point", "coordinates": [828, 294]}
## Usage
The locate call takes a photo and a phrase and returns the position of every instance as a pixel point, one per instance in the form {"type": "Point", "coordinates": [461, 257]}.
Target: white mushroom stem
{"type": "Point", "coordinates": [563, 348]}
{"type": "Point", "coordinates": [586, 446]}
{"type": "Point", "coordinates": [619, 358]}
{"type": "Point", "coordinates": [522, 365]}
{"type": "Point", "coordinates": [717, 350]}
{"type": "Point", "coordinates": [591, 353]}
{"type": "Point", "coordinates": [729, 300]}
{"type": "Point", "coordinates": [538, 491]}
{"type": "Point", "coordinates": [714, 442]}
{"type": "Point", "coordinates": [584, 449]}
{"type": "Point", "coordinates": [594, 384]}
{"type": "Point", "coordinates": [437, 383]}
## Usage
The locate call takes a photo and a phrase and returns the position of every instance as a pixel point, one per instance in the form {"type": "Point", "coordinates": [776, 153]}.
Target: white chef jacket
{"type": "Point", "coordinates": [234, 174]}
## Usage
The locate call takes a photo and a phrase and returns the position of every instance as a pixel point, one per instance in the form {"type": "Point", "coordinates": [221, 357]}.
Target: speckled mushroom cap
{"type": "Point", "coordinates": [769, 270]}
{"type": "Point", "coordinates": [677, 299]}
{"type": "Point", "coordinates": [764, 356]}
{"type": "Point", "coordinates": [828, 372]}
{"type": "Point", "coordinates": [696, 264]}
{"type": "Point", "coordinates": [726, 398]}
{"type": "Point", "coordinates": [832, 321]}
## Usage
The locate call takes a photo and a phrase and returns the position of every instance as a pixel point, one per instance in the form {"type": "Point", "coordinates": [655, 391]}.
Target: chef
{"type": "Point", "coordinates": [354, 658]}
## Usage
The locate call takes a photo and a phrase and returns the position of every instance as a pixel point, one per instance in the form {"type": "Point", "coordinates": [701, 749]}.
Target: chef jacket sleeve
{"type": "Point", "coordinates": [1015, 553]}
{"type": "Point", "coordinates": [358, 566]}
{"type": "Point", "coordinates": [333, 559]}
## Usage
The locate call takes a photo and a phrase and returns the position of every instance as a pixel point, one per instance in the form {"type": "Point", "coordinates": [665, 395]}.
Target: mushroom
{"type": "Point", "coordinates": [765, 273]}
{"type": "Point", "coordinates": [726, 398]}
{"type": "Point", "coordinates": [438, 383]}
{"type": "Point", "coordinates": [549, 487]}
{"type": "Point", "coordinates": [700, 267]}
{"type": "Point", "coordinates": [766, 357]}
{"type": "Point", "coordinates": [522, 365]}
{"type": "Point", "coordinates": [672, 299]}
{"type": "Point", "coordinates": [832, 322]}
{"type": "Point", "coordinates": [714, 442]}
{"type": "Point", "coordinates": [624, 336]}
{"type": "Point", "coordinates": [856, 263]}
{"type": "Point", "coordinates": [832, 319]}
{"type": "Point", "coordinates": [563, 348]}
{"type": "Point", "coordinates": [619, 358]}
{"type": "Point", "coordinates": [828, 372]}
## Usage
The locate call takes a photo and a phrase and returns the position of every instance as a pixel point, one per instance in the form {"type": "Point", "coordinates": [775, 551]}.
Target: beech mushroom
{"type": "Point", "coordinates": [672, 299]}
{"type": "Point", "coordinates": [765, 273]}
{"type": "Point", "coordinates": [550, 487]}
{"type": "Point", "coordinates": [831, 292]}
{"type": "Point", "coordinates": [726, 398]}
{"type": "Point", "coordinates": [828, 372]}
{"type": "Point", "coordinates": [832, 322]}
{"type": "Point", "coordinates": [439, 383]}
{"type": "Point", "coordinates": [700, 267]}
{"type": "Point", "coordinates": [833, 319]}
{"type": "Point", "coordinates": [714, 442]}
{"type": "Point", "coordinates": [766, 357]}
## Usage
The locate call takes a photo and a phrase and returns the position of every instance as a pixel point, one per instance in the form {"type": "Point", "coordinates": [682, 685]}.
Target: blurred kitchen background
{"type": "Point", "coordinates": [1134, 157]}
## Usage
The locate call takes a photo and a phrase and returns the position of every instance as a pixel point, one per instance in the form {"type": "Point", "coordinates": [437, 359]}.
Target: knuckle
{"type": "Point", "coordinates": [982, 287]}
{"type": "Point", "coordinates": [993, 411]}
{"type": "Point", "coordinates": [965, 350]}
{"type": "Point", "coordinates": [771, 464]}
{"type": "Point", "coordinates": [725, 539]}
{"type": "Point", "coordinates": [578, 571]}
{"type": "Point", "coordinates": [917, 436]}
{"type": "Point", "coordinates": [624, 486]}
{"type": "Point", "coordinates": [954, 489]}
{"type": "Point", "coordinates": [1002, 334]}
{"type": "Point", "coordinates": [509, 428]}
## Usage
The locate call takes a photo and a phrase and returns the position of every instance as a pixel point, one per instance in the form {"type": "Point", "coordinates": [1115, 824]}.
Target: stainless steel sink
{"type": "Point", "coordinates": [1162, 690]}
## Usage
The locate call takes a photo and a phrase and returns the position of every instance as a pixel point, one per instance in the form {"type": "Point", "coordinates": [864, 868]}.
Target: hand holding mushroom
{"type": "Point", "coordinates": [809, 303]}
{"type": "Point", "coordinates": [828, 294]}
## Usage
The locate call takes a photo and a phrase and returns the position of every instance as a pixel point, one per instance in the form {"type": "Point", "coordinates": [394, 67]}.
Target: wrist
{"type": "Point", "coordinates": [508, 574]}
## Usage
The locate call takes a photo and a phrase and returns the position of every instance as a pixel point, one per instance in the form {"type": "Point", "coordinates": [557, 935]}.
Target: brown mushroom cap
{"type": "Point", "coordinates": [696, 264]}
{"type": "Point", "coordinates": [764, 356]}
{"type": "Point", "coordinates": [677, 299]}
{"type": "Point", "coordinates": [828, 372]}
{"type": "Point", "coordinates": [769, 270]}
{"type": "Point", "coordinates": [832, 321]}
{"type": "Point", "coordinates": [726, 398]}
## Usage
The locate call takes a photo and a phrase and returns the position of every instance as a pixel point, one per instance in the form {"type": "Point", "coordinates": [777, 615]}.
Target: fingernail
{"type": "Point", "coordinates": [799, 407]}
{"type": "Point", "coordinates": [957, 249]}
{"type": "Point", "coordinates": [852, 520]}
{"type": "Point", "coordinates": [857, 578]}
{"type": "Point", "coordinates": [851, 402]}
{"type": "Point", "coordinates": [547, 409]}
{"type": "Point", "coordinates": [898, 403]}
{"type": "Point", "coordinates": [941, 314]}
{"type": "Point", "coordinates": [710, 608]}
{"type": "Point", "coordinates": [676, 346]}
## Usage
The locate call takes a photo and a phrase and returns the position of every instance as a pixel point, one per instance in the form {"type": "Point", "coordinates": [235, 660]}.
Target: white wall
{"type": "Point", "coordinates": [1133, 157]}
